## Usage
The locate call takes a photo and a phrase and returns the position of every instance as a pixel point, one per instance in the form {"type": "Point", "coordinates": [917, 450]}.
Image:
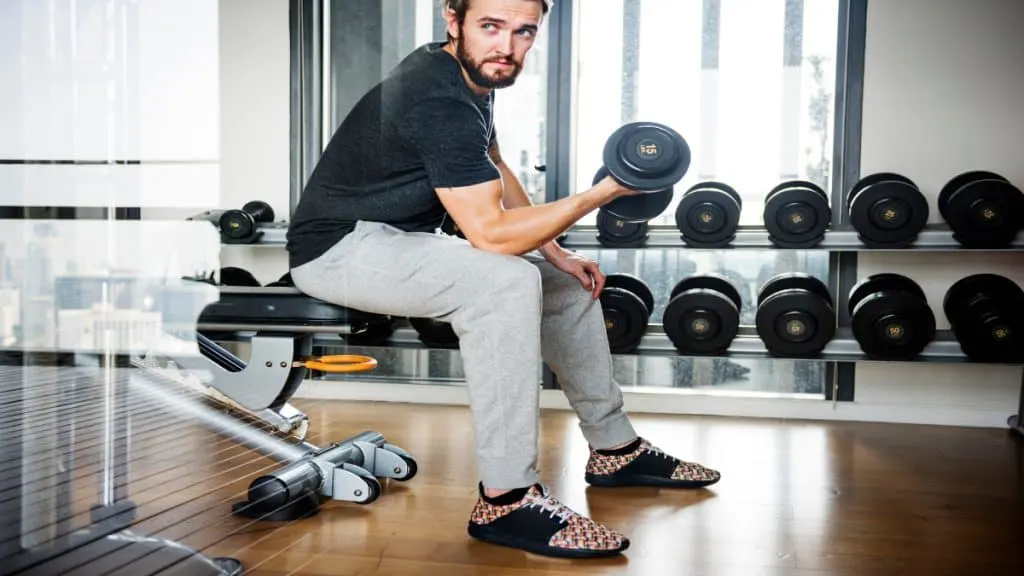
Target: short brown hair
{"type": "Point", "coordinates": [461, 6]}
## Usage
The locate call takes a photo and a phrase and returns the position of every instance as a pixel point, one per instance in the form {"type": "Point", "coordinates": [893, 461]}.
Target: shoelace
{"type": "Point", "coordinates": [657, 451]}
{"type": "Point", "coordinates": [551, 505]}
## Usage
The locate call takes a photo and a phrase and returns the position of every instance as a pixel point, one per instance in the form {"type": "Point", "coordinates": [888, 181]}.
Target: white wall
{"type": "Point", "coordinates": [942, 94]}
{"type": "Point", "coordinates": [255, 85]}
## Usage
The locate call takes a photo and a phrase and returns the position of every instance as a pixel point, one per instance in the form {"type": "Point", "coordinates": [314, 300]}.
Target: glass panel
{"type": "Point", "coordinates": [749, 85]}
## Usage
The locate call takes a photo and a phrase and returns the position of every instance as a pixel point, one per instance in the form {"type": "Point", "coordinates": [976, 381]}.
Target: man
{"type": "Point", "coordinates": [418, 148]}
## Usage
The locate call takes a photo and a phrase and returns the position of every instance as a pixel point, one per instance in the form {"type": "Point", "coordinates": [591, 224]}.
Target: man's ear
{"type": "Point", "coordinates": [452, 25]}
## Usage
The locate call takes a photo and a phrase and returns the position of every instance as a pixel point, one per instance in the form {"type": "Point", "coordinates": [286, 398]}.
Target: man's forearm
{"type": "Point", "coordinates": [515, 196]}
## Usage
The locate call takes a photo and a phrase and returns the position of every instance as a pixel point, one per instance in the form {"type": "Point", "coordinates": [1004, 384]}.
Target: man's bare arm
{"type": "Point", "coordinates": [479, 212]}
{"type": "Point", "coordinates": [514, 195]}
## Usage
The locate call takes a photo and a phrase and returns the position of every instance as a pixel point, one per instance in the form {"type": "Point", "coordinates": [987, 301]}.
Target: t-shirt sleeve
{"type": "Point", "coordinates": [452, 140]}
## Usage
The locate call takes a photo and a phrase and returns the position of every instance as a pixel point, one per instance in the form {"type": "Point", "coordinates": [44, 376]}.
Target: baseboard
{"type": "Point", "coordinates": [677, 401]}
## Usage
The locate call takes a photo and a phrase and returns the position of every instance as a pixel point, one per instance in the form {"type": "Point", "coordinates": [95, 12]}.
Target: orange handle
{"type": "Point", "coordinates": [341, 363]}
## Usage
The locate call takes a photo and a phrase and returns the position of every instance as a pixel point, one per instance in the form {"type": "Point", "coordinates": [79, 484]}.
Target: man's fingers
{"type": "Point", "coordinates": [599, 278]}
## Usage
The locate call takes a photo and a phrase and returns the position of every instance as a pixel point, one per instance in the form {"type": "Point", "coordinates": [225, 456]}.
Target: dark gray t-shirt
{"type": "Point", "coordinates": [419, 129]}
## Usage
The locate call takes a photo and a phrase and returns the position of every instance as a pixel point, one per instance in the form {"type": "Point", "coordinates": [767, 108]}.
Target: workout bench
{"type": "Point", "coordinates": [282, 322]}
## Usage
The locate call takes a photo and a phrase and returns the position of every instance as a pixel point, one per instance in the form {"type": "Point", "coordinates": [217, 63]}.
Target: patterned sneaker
{"type": "Point", "coordinates": [642, 464]}
{"type": "Point", "coordinates": [539, 523]}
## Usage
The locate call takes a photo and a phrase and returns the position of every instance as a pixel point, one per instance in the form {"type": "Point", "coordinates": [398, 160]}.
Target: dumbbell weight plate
{"type": "Point", "coordinates": [795, 315]}
{"type": "Point", "coordinates": [615, 232]}
{"type": "Point", "coordinates": [638, 207]}
{"type": "Point", "coordinates": [983, 209]}
{"type": "Point", "coordinates": [632, 284]}
{"type": "Point", "coordinates": [646, 156]}
{"type": "Point", "coordinates": [708, 214]}
{"type": "Point", "coordinates": [625, 318]}
{"type": "Point", "coordinates": [796, 214]}
{"type": "Point", "coordinates": [890, 316]}
{"type": "Point", "coordinates": [374, 332]}
{"type": "Point", "coordinates": [435, 333]}
{"type": "Point", "coordinates": [986, 313]}
{"type": "Point", "coordinates": [887, 210]}
{"type": "Point", "coordinates": [703, 315]}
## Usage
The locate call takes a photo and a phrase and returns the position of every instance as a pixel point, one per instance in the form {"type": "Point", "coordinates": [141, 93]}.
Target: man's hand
{"type": "Point", "coordinates": [584, 269]}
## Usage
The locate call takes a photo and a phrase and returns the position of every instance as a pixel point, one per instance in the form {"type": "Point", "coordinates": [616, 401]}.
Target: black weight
{"type": "Point", "coordinates": [795, 315]}
{"type": "Point", "coordinates": [646, 156]}
{"type": "Point", "coordinates": [986, 314]}
{"type": "Point", "coordinates": [631, 283]}
{"type": "Point", "coordinates": [241, 225]}
{"type": "Point", "coordinates": [625, 319]}
{"type": "Point", "coordinates": [235, 276]}
{"type": "Point", "coordinates": [887, 210]}
{"type": "Point", "coordinates": [638, 207]}
{"type": "Point", "coordinates": [796, 214]}
{"type": "Point", "coordinates": [983, 209]}
{"type": "Point", "coordinates": [703, 314]}
{"type": "Point", "coordinates": [708, 215]}
{"type": "Point", "coordinates": [890, 317]}
{"type": "Point", "coordinates": [372, 332]}
{"type": "Point", "coordinates": [435, 333]}
{"type": "Point", "coordinates": [614, 232]}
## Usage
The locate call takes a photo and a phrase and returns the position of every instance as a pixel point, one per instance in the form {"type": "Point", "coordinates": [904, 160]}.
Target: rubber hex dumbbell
{"type": "Point", "coordinates": [797, 214]}
{"type": "Point", "coordinates": [708, 215]}
{"type": "Point", "coordinates": [887, 210]}
{"type": "Point", "coordinates": [890, 317]}
{"type": "Point", "coordinates": [703, 314]}
{"type": "Point", "coordinates": [983, 209]}
{"type": "Point", "coordinates": [986, 314]}
{"type": "Point", "coordinates": [795, 315]}
{"type": "Point", "coordinates": [645, 157]}
{"type": "Point", "coordinates": [627, 303]}
{"type": "Point", "coordinates": [242, 226]}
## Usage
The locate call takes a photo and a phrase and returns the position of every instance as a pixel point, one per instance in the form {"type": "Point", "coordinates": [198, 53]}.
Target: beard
{"type": "Point", "coordinates": [475, 71]}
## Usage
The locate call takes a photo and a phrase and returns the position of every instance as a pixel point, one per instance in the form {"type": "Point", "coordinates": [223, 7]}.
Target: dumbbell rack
{"type": "Point", "coordinates": [944, 347]}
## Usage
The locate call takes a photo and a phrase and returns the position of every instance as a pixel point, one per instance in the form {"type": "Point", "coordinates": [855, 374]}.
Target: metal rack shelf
{"type": "Point", "coordinates": [943, 349]}
{"type": "Point", "coordinates": [932, 238]}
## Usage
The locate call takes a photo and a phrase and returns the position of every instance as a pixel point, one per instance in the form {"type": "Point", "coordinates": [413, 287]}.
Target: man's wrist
{"type": "Point", "coordinates": [551, 250]}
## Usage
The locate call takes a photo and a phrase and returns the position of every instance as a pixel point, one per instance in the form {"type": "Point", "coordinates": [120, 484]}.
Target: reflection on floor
{"type": "Point", "coordinates": [796, 497]}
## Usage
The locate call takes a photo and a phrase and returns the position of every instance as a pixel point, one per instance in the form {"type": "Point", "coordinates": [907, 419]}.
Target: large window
{"type": "Point", "coordinates": [750, 85]}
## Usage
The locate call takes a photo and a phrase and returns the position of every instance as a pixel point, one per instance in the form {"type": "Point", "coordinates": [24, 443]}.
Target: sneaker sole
{"type": "Point", "coordinates": [491, 536]}
{"type": "Point", "coordinates": [618, 481]}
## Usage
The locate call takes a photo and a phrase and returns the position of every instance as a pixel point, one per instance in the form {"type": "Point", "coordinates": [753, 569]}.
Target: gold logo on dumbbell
{"type": "Point", "coordinates": [796, 217]}
{"type": "Point", "coordinates": [894, 331]}
{"type": "Point", "coordinates": [706, 217]}
{"type": "Point", "coordinates": [700, 326]}
{"type": "Point", "coordinates": [647, 149]}
{"type": "Point", "coordinates": [1001, 333]}
{"type": "Point", "coordinates": [890, 214]}
{"type": "Point", "coordinates": [795, 327]}
{"type": "Point", "coordinates": [989, 214]}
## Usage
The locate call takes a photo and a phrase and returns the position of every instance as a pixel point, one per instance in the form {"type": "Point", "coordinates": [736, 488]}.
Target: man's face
{"type": "Point", "coordinates": [493, 40]}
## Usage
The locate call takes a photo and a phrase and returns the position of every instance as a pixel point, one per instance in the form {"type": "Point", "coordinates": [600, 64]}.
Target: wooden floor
{"type": "Point", "coordinates": [796, 498]}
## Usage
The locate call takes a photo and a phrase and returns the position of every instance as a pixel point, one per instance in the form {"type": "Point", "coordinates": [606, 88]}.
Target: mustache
{"type": "Point", "coordinates": [500, 60]}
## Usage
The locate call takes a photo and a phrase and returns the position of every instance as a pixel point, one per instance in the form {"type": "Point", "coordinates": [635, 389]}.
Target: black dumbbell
{"type": "Point", "coordinates": [887, 210]}
{"type": "Point", "coordinates": [890, 316]}
{"type": "Point", "coordinates": [708, 215]}
{"type": "Point", "coordinates": [983, 209]}
{"type": "Point", "coordinates": [986, 314]}
{"type": "Point", "coordinates": [796, 214]}
{"type": "Point", "coordinates": [373, 331]}
{"type": "Point", "coordinates": [435, 333]}
{"type": "Point", "coordinates": [795, 315]}
{"type": "Point", "coordinates": [614, 232]}
{"type": "Point", "coordinates": [235, 276]}
{"type": "Point", "coordinates": [285, 281]}
{"type": "Point", "coordinates": [627, 303]}
{"type": "Point", "coordinates": [645, 157]}
{"type": "Point", "coordinates": [703, 314]}
{"type": "Point", "coordinates": [241, 226]}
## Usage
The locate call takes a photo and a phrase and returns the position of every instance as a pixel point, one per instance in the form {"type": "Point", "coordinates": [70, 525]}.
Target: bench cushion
{"type": "Point", "coordinates": [277, 306]}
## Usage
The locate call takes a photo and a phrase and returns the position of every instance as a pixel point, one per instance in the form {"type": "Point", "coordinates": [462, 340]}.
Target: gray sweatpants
{"type": "Point", "coordinates": [509, 312]}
